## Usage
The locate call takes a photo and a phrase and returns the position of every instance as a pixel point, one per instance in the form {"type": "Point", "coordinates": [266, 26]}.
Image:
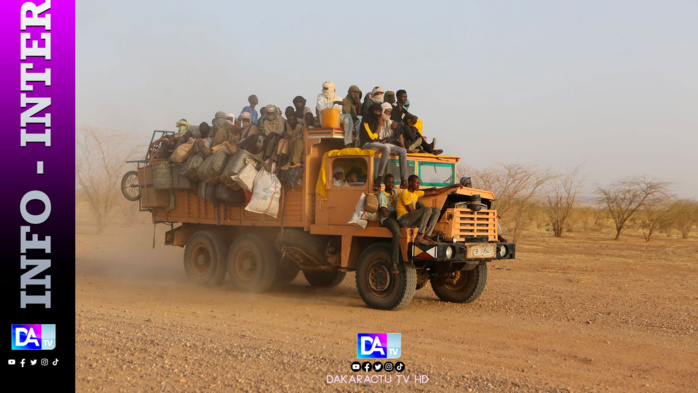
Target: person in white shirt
{"type": "Point", "coordinates": [327, 100]}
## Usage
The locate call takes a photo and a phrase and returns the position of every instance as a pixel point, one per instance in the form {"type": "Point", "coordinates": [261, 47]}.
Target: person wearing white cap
{"type": "Point", "coordinates": [338, 177]}
{"type": "Point", "coordinates": [329, 100]}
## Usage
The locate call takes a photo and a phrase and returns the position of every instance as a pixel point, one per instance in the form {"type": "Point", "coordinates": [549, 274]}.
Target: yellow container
{"type": "Point", "coordinates": [331, 118]}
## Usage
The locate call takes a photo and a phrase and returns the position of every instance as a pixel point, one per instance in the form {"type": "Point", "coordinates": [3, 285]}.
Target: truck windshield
{"type": "Point", "coordinates": [394, 169]}
{"type": "Point", "coordinates": [437, 174]}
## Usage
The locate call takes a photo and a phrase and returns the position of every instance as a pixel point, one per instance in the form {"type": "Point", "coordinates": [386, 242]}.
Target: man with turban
{"type": "Point", "coordinates": [352, 106]}
{"type": "Point", "coordinates": [389, 97]}
{"type": "Point", "coordinates": [299, 105]}
{"type": "Point", "coordinates": [274, 126]}
{"type": "Point", "coordinates": [374, 97]}
{"type": "Point", "coordinates": [329, 100]}
{"type": "Point", "coordinates": [249, 133]}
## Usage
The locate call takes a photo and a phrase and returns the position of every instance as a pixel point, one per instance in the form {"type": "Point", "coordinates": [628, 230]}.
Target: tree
{"type": "Point", "coordinates": [515, 186]}
{"type": "Point", "coordinates": [560, 198]}
{"type": "Point", "coordinates": [684, 215]}
{"type": "Point", "coordinates": [656, 215]}
{"type": "Point", "coordinates": [99, 165]}
{"type": "Point", "coordinates": [624, 197]}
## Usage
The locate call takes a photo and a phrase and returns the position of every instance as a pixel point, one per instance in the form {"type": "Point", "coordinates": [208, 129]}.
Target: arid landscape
{"type": "Point", "coordinates": [578, 313]}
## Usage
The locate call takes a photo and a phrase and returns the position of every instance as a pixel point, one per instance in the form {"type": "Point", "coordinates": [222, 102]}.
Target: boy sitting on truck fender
{"type": "Point", "coordinates": [409, 215]}
{"type": "Point", "coordinates": [387, 204]}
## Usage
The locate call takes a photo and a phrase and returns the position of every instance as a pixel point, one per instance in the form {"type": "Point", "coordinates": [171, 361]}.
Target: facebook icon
{"type": "Point", "coordinates": [378, 345]}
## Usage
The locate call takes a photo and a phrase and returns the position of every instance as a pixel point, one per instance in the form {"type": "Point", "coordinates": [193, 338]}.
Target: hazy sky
{"type": "Point", "coordinates": [612, 85]}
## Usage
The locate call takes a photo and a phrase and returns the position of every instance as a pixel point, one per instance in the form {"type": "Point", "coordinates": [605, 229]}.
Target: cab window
{"type": "Point", "coordinates": [437, 174]}
{"type": "Point", "coordinates": [348, 173]}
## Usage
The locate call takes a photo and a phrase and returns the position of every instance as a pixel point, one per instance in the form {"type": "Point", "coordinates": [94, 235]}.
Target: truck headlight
{"type": "Point", "coordinates": [449, 252]}
{"type": "Point", "coordinates": [502, 251]}
{"type": "Point", "coordinates": [454, 239]}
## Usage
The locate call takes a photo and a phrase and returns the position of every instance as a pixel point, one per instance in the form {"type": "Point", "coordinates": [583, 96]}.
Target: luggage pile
{"type": "Point", "coordinates": [222, 178]}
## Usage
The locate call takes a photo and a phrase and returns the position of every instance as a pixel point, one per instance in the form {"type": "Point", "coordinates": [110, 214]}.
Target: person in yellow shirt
{"type": "Point", "coordinates": [424, 218]}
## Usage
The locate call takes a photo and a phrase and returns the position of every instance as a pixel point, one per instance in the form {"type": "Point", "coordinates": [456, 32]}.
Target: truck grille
{"type": "Point", "coordinates": [470, 223]}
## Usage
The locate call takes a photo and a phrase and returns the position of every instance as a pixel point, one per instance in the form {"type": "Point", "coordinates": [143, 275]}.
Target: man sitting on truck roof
{"type": "Point", "coordinates": [409, 215]}
{"type": "Point", "coordinates": [387, 204]}
{"type": "Point", "coordinates": [374, 97]}
{"type": "Point", "coordinates": [249, 134]}
{"type": "Point", "coordinates": [253, 100]}
{"type": "Point", "coordinates": [299, 105]}
{"type": "Point", "coordinates": [291, 146]}
{"type": "Point", "coordinates": [329, 100]}
{"type": "Point", "coordinates": [309, 119]}
{"type": "Point", "coordinates": [389, 97]}
{"type": "Point", "coordinates": [370, 140]}
{"type": "Point", "coordinates": [352, 106]}
{"type": "Point", "coordinates": [413, 137]}
{"type": "Point", "coordinates": [274, 126]}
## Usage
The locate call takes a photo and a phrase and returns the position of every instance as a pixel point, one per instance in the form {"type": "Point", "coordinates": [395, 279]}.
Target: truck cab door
{"type": "Point", "coordinates": [341, 201]}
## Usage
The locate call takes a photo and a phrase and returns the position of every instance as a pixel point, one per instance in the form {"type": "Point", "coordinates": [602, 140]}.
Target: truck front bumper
{"type": "Point", "coordinates": [462, 252]}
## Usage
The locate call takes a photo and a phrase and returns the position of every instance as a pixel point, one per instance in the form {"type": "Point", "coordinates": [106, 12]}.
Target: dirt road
{"type": "Point", "coordinates": [577, 314]}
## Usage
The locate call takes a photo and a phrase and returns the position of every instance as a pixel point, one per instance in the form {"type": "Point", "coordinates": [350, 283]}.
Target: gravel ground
{"type": "Point", "coordinates": [582, 313]}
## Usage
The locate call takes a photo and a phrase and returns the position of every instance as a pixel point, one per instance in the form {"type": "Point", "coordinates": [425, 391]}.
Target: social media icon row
{"type": "Point", "coordinates": [32, 362]}
{"type": "Point", "coordinates": [378, 366]}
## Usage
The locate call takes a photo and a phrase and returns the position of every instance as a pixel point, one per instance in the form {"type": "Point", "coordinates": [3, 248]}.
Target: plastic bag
{"type": "Point", "coordinates": [359, 212]}
{"type": "Point", "coordinates": [266, 192]}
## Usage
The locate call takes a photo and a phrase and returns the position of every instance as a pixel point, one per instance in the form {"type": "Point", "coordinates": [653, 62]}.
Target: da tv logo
{"type": "Point", "coordinates": [33, 337]}
{"type": "Point", "coordinates": [378, 345]}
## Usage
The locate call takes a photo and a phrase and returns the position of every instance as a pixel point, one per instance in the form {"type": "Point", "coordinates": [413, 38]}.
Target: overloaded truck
{"type": "Point", "coordinates": [310, 231]}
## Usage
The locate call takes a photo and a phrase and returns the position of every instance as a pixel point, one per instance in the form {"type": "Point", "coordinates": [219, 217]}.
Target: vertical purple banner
{"type": "Point", "coordinates": [37, 97]}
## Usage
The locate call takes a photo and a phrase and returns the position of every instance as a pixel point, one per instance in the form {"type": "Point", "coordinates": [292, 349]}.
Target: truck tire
{"type": "Point", "coordinates": [251, 265]}
{"type": "Point", "coordinates": [130, 187]}
{"type": "Point", "coordinates": [324, 279]}
{"type": "Point", "coordinates": [377, 286]}
{"type": "Point", "coordinates": [286, 272]}
{"type": "Point", "coordinates": [465, 287]}
{"type": "Point", "coordinates": [204, 258]}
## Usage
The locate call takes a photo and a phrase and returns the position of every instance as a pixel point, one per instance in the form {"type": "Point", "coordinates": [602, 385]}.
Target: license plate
{"type": "Point", "coordinates": [481, 251]}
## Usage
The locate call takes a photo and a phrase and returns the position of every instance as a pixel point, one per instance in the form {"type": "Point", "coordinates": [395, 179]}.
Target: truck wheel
{"type": "Point", "coordinates": [286, 272]}
{"type": "Point", "coordinates": [377, 286]}
{"type": "Point", "coordinates": [251, 265]}
{"type": "Point", "coordinates": [130, 187]}
{"type": "Point", "coordinates": [324, 279]}
{"type": "Point", "coordinates": [462, 286]}
{"type": "Point", "coordinates": [204, 258]}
